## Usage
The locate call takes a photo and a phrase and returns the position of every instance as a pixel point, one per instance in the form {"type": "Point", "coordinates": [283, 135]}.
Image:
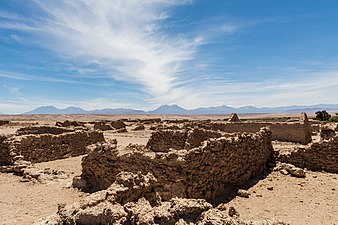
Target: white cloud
{"type": "Point", "coordinates": [122, 36]}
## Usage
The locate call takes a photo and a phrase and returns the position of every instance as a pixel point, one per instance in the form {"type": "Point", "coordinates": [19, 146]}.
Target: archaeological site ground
{"type": "Point", "coordinates": [168, 169]}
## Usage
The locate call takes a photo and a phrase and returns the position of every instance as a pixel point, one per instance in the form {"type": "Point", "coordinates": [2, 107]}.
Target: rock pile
{"type": "Point", "coordinates": [118, 124]}
{"type": "Point", "coordinates": [107, 125]}
{"type": "Point", "coordinates": [130, 200]}
{"type": "Point", "coordinates": [68, 123]}
{"type": "Point", "coordinates": [103, 126]}
{"type": "Point", "coordinates": [42, 130]}
{"type": "Point", "coordinates": [327, 132]}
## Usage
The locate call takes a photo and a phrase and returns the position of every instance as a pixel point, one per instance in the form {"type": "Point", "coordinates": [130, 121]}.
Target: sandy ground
{"type": "Point", "coordinates": [26, 202]}
{"type": "Point", "coordinates": [298, 201]}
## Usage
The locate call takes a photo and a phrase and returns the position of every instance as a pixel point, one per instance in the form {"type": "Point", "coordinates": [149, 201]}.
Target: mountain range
{"type": "Point", "coordinates": [175, 109]}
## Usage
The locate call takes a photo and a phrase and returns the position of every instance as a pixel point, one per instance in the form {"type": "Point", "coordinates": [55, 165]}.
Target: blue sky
{"type": "Point", "coordinates": [145, 53]}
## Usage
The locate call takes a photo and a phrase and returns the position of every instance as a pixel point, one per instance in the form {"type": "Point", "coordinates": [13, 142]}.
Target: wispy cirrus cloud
{"type": "Point", "coordinates": [123, 37]}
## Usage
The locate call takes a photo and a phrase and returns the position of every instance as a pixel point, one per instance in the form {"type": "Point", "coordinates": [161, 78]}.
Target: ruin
{"type": "Point", "coordinates": [130, 200]}
{"type": "Point", "coordinates": [68, 123]}
{"type": "Point", "coordinates": [288, 132]}
{"type": "Point", "coordinates": [42, 130]}
{"type": "Point", "coordinates": [118, 124]}
{"type": "Point", "coordinates": [46, 147]}
{"type": "Point", "coordinates": [102, 126]}
{"type": "Point", "coordinates": [318, 156]}
{"type": "Point", "coordinates": [4, 122]}
{"type": "Point", "coordinates": [233, 118]}
{"type": "Point", "coordinates": [206, 171]}
{"type": "Point", "coordinates": [185, 174]}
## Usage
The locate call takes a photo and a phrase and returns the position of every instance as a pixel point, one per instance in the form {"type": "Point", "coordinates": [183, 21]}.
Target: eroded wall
{"type": "Point", "coordinates": [319, 156]}
{"type": "Point", "coordinates": [203, 172]}
{"type": "Point", "coordinates": [47, 147]}
{"type": "Point", "coordinates": [289, 132]}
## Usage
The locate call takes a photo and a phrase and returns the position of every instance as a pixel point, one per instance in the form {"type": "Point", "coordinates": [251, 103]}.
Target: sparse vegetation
{"type": "Point", "coordinates": [334, 119]}
{"type": "Point", "coordinates": [322, 115]}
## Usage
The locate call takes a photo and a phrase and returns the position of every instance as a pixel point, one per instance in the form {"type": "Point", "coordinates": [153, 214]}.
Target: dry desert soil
{"type": "Point", "coordinates": [294, 200]}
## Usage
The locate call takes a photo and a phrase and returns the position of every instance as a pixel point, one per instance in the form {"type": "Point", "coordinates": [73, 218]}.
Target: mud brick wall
{"type": "Point", "coordinates": [4, 122]}
{"type": "Point", "coordinates": [162, 141]}
{"type": "Point", "coordinates": [47, 147]}
{"type": "Point", "coordinates": [205, 172]}
{"type": "Point", "coordinates": [195, 137]}
{"type": "Point", "coordinates": [5, 158]}
{"type": "Point", "coordinates": [42, 130]}
{"type": "Point", "coordinates": [319, 156]}
{"type": "Point", "coordinates": [289, 132]}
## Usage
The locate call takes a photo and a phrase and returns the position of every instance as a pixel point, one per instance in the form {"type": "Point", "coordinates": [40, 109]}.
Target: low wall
{"type": "Point", "coordinates": [205, 172]}
{"type": "Point", "coordinates": [289, 132]}
{"type": "Point", "coordinates": [4, 122]}
{"type": "Point", "coordinates": [5, 158]}
{"type": "Point", "coordinates": [163, 140]}
{"type": "Point", "coordinates": [47, 147]}
{"type": "Point", "coordinates": [42, 130]}
{"type": "Point", "coordinates": [319, 156]}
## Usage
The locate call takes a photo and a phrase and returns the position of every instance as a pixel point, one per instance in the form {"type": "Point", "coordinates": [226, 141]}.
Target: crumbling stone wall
{"type": "Point", "coordinates": [68, 123]}
{"type": "Point", "coordinates": [205, 172]}
{"type": "Point", "coordinates": [42, 130]}
{"type": "Point", "coordinates": [131, 200]}
{"type": "Point", "coordinates": [162, 141]}
{"type": "Point", "coordinates": [4, 122]}
{"type": "Point", "coordinates": [319, 156]}
{"type": "Point", "coordinates": [47, 147]}
{"type": "Point", "coordinates": [118, 124]}
{"type": "Point", "coordinates": [327, 131]}
{"type": "Point", "coordinates": [195, 137]}
{"type": "Point", "coordinates": [299, 132]}
{"type": "Point", "coordinates": [5, 158]}
{"type": "Point", "coordinates": [102, 126]}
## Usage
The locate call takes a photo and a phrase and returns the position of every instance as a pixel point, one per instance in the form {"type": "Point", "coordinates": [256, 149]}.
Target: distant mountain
{"type": "Point", "coordinates": [116, 111]}
{"type": "Point", "coordinates": [175, 109]}
{"type": "Point", "coordinates": [170, 109]}
{"type": "Point", "coordinates": [77, 110]}
{"type": "Point", "coordinates": [223, 109]}
{"type": "Point", "coordinates": [54, 110]}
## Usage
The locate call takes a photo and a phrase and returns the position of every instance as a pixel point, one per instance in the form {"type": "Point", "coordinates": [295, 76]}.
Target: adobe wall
{"type": "Point", "coordinates": [319, 156]}
{"type": "Point", "coordinates": [47, 147]}
{"type": "Point", "coordinates": [207, 171]}
{"type": "Point", "coordinates": [4, 122]}
{"type": "Point", "coordinates": [5, 158]}
{"type": "Point", "coordinates": [163, 140]}
{"type": "Point", "coordinates": [289, 132]}
{"type": "Point", "coordinates": [42, 130]}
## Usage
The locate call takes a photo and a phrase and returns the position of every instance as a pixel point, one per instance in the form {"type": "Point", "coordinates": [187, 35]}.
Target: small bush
{"type": "Point", "coordinates": [323, 115]}
{"type": "Point", "coordinates": [334, 119]}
